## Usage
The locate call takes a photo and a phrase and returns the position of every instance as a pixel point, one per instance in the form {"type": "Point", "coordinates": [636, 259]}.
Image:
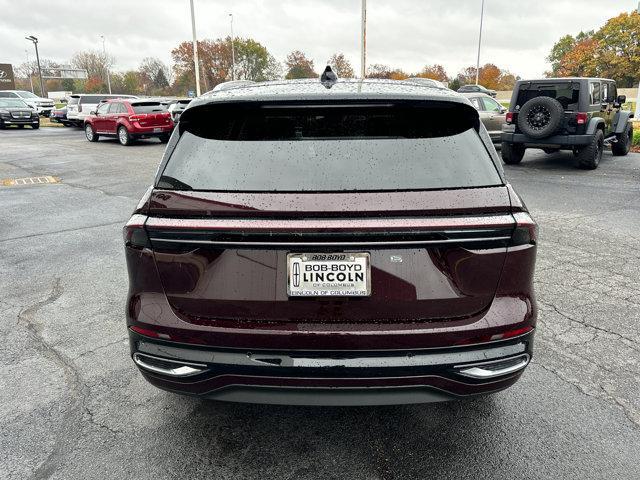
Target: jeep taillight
{"type": "Point", "coordinates": [581, 118]}
{"type": "Point", "coordinates": [509, 117]}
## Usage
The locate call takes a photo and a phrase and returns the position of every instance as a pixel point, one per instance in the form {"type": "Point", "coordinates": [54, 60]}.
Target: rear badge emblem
{"type": "Point", "coordinates": [395, 259]}
{"type": "Point", "coordinates": [296, 274]}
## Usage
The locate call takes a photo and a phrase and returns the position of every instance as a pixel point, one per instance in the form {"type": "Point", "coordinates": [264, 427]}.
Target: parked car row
{"type": "Point", "coordinates": [42, 106]}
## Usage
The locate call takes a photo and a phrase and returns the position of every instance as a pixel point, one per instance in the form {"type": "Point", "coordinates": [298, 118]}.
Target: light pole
{"type": "Point", "coordinates": [363, 41]}
{"type": "Point", "coordinates": [106, 64]}
{"type": "Point", "coordinates": [233, 52]}
{"type": "Point", "coordinates": [195, 50]}
{"type": "Point", "coordinates": [479, 44]}
{"type": "Point", "coordinates": [33, 39]}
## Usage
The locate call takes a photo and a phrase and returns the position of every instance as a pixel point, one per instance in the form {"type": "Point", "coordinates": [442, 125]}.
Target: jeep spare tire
{"type": "Point", "coordinates": [540, 117]}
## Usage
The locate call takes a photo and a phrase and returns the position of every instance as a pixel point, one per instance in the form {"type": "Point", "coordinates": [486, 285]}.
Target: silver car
{"type": "Point", "coordinates": [492, 114]}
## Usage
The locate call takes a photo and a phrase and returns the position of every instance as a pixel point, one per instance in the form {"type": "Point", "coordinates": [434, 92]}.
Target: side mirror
{"type": "Point", "coordinates": [93, 112]}
{"type": "Point", "coordinates": [503, 110]}
{"type": "Point", "coordinates": [622, 99]}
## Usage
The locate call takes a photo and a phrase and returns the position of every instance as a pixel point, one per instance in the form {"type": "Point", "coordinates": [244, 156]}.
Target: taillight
{"type": "Point", "coordinates": [581, 118]}
{"type": "Point", "coordinates": [134, 233]}
{"type": "Point", "coordinates": [79, 108]}
{"type": "Point", "coordinates": [509, 117]}
{"type": "Point", "coordinates": [526, 231]}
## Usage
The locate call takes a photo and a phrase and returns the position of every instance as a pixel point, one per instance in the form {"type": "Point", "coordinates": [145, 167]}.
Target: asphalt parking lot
{"type": "Point", "coordinates": [73, 406]}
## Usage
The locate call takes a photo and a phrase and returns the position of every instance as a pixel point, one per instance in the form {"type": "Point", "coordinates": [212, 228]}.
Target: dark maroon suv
{"type": "Point", "coordinates": [342, 243]}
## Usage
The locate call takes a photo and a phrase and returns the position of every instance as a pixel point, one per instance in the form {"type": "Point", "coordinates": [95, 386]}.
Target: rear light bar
{"type": "Point", "coordinates": [134, 233]}
{"type": "Point", "coordinates": [581, 118]}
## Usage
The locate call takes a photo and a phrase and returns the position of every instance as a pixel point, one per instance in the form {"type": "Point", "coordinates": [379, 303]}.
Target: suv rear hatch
{"type": "Point", "coordinates": [410, 186]}
{"type": "Point", "coordinates": [150, 114]}
{"type": "Point", "coordinates": [566, 92]}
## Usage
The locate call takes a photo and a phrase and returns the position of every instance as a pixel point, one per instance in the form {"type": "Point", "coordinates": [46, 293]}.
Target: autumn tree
{"type": "Point", "coordinates": [612, 52]}
{"type": "Point", "coordinates": [341, 66]}
{"type": "Point", "coordinates": [562, 47]}
{"type": "Point", "coordinates": [94, 62]}
{"type": "Point", "coordinates": [378, 70]}
{"type": "Point", "coordinates": [618, 49]}
{"type": "Point", "coordinates": [435, 72]}
{"type": "Point", "coordinates": [490, 76]}
{"type": "Point", "coordinates": [299, 66]}
{"type": "Point", "coordinates": [580, 61]}
{"type": "Point", "coordinates": [253, 62]}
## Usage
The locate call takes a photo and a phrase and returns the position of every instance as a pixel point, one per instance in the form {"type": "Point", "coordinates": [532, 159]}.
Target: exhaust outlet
{"type": "Point", "coordinates": [496, 368]}
{"type": "Point", "coordinates": [164, 366]}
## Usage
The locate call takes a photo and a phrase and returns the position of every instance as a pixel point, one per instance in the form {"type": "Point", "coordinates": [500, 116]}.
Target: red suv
{"type": "Point", "coordinates": [129, 120]}
{"type": "Point", "coordinates": [352, 242]}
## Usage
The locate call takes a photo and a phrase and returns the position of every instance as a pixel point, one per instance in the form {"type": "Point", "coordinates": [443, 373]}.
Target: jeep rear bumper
{"type": "Point", "coordinates": [555, 140]}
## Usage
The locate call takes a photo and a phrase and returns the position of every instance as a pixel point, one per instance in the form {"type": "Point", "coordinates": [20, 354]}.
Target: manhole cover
{"type": "Point", "coordinates": [8, 182]}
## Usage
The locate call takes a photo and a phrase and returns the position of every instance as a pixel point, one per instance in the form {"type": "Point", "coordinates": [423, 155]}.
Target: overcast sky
{"type": "Point", "coordinates": [408, 34]}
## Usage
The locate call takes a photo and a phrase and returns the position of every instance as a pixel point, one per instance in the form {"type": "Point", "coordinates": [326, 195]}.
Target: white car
{"type": "Point", "coordinates": [80, 105]}
{"type": "Point", "coordinates": [41, 105]}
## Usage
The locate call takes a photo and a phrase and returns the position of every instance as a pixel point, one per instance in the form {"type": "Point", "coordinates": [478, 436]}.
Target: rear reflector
{"type": "Point", "coordinates": [498, 336]}
{"type": "Point", "coordinates": [149, 333]}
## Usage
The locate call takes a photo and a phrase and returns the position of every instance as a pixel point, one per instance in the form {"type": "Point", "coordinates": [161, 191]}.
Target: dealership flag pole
{"type": "Point", "coordinates": [363, 45]}
{"type": "Point", "coordinates": [479, 44]}
{"type": "Point", "coordinates": [195, 50]}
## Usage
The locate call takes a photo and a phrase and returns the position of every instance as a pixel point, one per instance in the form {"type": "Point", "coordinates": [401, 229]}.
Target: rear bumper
{"type": "Point", "coordinates": [150, 131]}
{"type": "Point", "coordinates": [560, 140]}
{"type": "Point", "coordinates": [302, 377]}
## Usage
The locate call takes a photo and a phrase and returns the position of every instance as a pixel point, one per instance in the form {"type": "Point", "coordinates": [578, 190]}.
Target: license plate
{"type": "Point", "coordinates": [328, 275]}
{"type": "Point", "coordinates": [508, 128]}
{"type": "Point", "coordinates": [157, 130]}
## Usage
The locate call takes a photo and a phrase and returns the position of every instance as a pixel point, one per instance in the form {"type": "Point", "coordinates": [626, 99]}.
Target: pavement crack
{"type": "Point", "coordinates": [100, 347]}
{"type": "Point", "coordinates": [630, 413]}
{"type": "Point", "coordinates": [96, 189]}
{"type": "Point", "coordinates": [631, 344]}
{"type": "Point", "coordinates": [93, 421]}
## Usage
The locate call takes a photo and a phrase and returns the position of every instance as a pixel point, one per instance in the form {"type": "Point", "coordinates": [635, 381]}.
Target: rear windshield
{"type": "Point", "coordinates": [567, 93]}
{"type": "Point", "coordinates": [73, 100]}
{"type": "Point", "coordinates": [148, 107]}
{"type": "Point", "coordinates": [342, 148]}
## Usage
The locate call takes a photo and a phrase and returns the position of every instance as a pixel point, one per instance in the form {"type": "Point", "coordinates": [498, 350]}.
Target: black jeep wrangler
{"type": "Point", "coordinates": [578, 114]}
